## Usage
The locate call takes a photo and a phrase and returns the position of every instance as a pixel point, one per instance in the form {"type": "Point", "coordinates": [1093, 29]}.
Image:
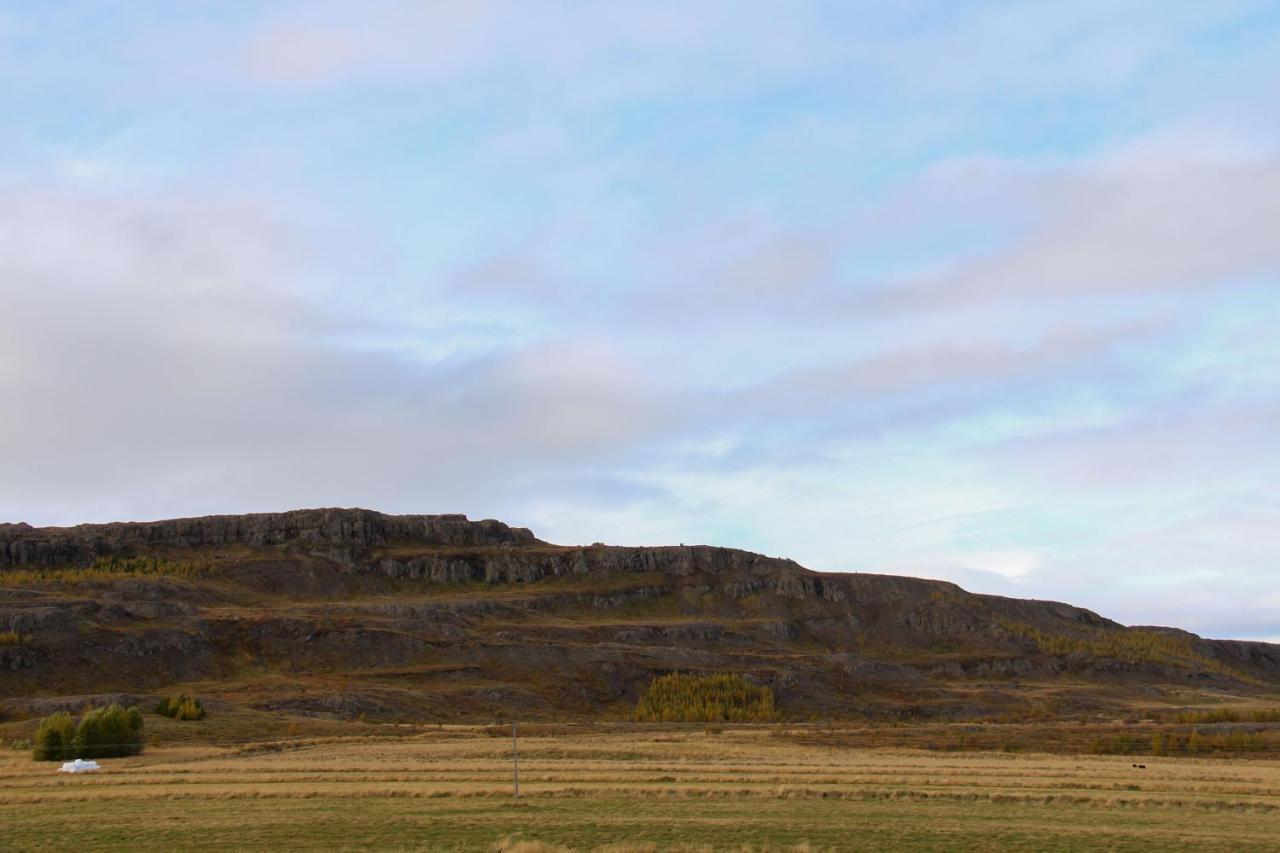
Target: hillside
{"type": "Point", "coordinates": [352, 613]}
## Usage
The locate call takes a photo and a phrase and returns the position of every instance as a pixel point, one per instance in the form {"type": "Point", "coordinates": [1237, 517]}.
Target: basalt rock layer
{"type": "Point", "coordinates": [435, 617]}
{"type": "Point", "coordinates": [353, 530]}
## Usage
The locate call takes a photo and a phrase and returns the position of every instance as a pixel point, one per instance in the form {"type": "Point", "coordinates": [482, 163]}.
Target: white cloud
{"type": "Point", "coordinates": [160, 355]}
{"type": "Point", "coordinates": [1201, 225]}
{"type": "Point", "coordinates": [1012, 565]}
{"type": "Point", "coordinates": [985, 292]}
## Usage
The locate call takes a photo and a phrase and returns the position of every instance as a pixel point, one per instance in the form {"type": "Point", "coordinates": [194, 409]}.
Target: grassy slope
{"type": "Point", "coordinates": [543, 640]}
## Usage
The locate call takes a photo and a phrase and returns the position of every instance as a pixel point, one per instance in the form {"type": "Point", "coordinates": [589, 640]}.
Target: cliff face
{"type": "Point", "coordinates": [440, 617]}
{"type": "Point", "coordinates": [352, 530]}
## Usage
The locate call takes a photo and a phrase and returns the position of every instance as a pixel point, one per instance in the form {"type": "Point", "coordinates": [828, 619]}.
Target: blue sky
{"type": "Point", "coordinates": [978, 291]}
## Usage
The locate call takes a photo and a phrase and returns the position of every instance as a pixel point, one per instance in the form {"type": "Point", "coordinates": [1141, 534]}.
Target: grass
{"type": "Point", "coordinates": [1135, 645]}
{"type": "Point", "coordinates": [653, 788]}
{"type": "Point", "coordinates": [1057, 737]}
{"type": "Point", "coordinates": [1227, 715]}
{"type": "Point", "coordinates": [104, 568]}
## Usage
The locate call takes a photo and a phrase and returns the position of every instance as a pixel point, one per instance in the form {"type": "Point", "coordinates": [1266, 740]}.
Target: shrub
{"type": "Point", "coordinates": [705, 699]}
{"type": "Point", "coordinates": [181, 707]}
{"type": "Point", "coordinates": [1117, 745]}
{"type": "Point", "coordinates": [1228, 715]}
{"type": "Point", "coordinates": [109, 732]}
{"type": "Point", "coordinates": [1173, 743]}
{"type": "Point", "coordinates": [104, 568]}
{"type": "Point", "coordinates": [191, 709]}
{"type": "Point", "coordinates": [1135, 645]}
{"type": "Point", "coordinates": [54, 738]}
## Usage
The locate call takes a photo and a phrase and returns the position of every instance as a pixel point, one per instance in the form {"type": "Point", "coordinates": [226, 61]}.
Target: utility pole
{"type": "Point", "coordinates": [515, 761]}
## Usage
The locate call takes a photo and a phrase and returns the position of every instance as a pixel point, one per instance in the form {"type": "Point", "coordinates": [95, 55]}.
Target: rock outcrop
{"type": "Point", "coordinates": [441, 617]}
{"type": "Point", "coordinates": [353, 530]}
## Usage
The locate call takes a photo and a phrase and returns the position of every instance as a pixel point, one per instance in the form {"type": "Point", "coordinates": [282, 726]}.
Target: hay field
{"type": "Point", "coordinates": [633, 790]}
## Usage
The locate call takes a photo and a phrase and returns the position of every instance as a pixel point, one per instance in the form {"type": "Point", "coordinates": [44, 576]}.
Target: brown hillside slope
{"type": "Point", "coordinates": [352, 612]}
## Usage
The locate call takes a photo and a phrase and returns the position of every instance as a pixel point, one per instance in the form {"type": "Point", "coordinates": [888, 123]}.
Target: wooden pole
{"type": "Point", "coordinates": [515, 761]}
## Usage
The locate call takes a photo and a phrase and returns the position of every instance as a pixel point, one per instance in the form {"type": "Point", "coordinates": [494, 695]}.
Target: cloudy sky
{"type": "Point", "coordinates": [979, 291]}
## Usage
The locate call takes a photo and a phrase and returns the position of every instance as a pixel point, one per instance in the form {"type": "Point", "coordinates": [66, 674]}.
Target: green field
{"type": "Point", "coordinates": [629, 789]}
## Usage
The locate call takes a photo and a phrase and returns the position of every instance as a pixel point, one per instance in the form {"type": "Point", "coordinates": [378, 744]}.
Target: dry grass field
{"type": "Point", "coordinates": [627, 789]}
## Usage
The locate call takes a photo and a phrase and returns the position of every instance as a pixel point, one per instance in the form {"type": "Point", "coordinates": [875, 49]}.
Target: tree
{"type": "Point", "coordinates": [54, 738]}
{"type": "Point", "coordinates": [181, 707]}
{"type": "Point", "coordinates": [717, 697]}
{"type": "Point", "coordinates": [109, 732]}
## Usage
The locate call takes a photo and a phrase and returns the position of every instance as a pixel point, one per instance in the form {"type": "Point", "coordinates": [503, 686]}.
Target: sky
{"type": "Point", "coordinates": [986, 292]}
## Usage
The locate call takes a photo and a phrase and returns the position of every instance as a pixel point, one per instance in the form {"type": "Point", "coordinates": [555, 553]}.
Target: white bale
{"type": "Point", "coordinates": [79, 766]}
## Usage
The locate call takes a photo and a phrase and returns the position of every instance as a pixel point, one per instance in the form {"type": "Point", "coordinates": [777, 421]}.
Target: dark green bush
{"type": "Point", "coordinates": [54, 738]}
{"type": "Point", "coordinates": [181, 707]}
{"type": "Point", "coordinates": [103, 733]}
{"type": "Point", "coordinates": [109, 732]}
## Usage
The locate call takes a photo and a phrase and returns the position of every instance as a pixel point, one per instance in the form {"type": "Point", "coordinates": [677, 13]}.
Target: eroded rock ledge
{"type": "Point", "coordinates": [351, 529]}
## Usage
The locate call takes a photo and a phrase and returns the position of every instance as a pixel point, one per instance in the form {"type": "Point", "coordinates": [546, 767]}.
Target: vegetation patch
{"type": "Point", "coordinates": [105, 568]}
{"type": "Point", "coordinates": [1171, 743]}
{"type": "Point", "coordinates": [720, 697]}
{"type": "Point", "coordinates": [55, 738]}
{"type": "Point", "coordinates": [1128, 644]}
{"type": "Point", "coordinates": [1228, 715]}
{"type": "Point", "coordinates": [109, 732]}
{"type": "Point", "coordinates": [13, 638]}
{"type": "Point", "coordinates": [611, 789]}
{"type": "Point", "coordinates": [181, 707]}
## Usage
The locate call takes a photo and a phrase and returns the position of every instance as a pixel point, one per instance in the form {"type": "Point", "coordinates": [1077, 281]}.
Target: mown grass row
{"type": "Point", "coordinates": [1047, 739]}
{"type": "Point", "coordinates": [978, 790]}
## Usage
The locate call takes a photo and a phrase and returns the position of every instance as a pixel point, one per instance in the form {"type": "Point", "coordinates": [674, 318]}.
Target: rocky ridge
{"type": "Point", "coordinates": [329, 530]}
{"type": "Point", "coordinates": [438, 616]}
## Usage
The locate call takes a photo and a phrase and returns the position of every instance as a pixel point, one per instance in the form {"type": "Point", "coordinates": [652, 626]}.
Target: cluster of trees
{"type": "Point", "coordinates": [1128, 644]}
{"type": "Point", "coordinates": [719, 697]}
{"type": "Point", "coordinates": [108, 732]}
{"type": "Point", "coordinates": [1174, 743]}
{"type": "Point", "coordinates": [181, 707]}
{"type": "Point", "coordinates": [1228, 715]}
